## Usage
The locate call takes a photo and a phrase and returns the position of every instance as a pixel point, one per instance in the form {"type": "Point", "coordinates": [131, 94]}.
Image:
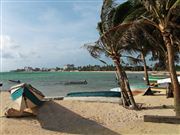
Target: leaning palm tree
{"type": "Point", "coordinates": [110, 44]}
{"type": "Point", "coordinates": [164, 16]}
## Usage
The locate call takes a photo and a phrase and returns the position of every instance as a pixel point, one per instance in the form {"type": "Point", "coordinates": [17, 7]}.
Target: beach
{"type": "Point", "coordinates": [62, 117]}
{"type": "Point", "coordinates": [87, 67]}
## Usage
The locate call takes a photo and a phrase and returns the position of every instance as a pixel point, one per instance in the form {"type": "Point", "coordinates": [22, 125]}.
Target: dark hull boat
{"type": "Point", "coordinates": [1, 84]}
{"type": "Point", "coordinates": [95, 94]}
{"type": "Point", "coordinates": [84, 82]}
{"type": "Point", "coordinates": [15, 81]}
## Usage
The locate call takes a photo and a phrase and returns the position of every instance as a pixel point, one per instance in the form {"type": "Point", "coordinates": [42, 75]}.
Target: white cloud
{"type": "Point", "coordinates": [11, 49]}
{"type": "Point", "coordinates": [8, 47]}
{"type": "Point", "coordinates": [52, 38]}
{"type": "Point", "coordinates": [8, 42]}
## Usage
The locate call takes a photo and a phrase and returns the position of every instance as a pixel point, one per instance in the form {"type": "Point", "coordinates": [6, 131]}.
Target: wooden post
{"type": "Point", "coordinates": [162, 119]}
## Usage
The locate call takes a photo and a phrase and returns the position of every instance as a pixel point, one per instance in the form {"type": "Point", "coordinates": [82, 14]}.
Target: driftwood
{"type": "Point", "coordinates": [13, 113]}
{"type": "Point", "coordinates": [162, 119]}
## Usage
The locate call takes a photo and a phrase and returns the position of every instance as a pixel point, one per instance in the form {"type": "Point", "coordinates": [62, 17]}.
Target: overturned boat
{"type": "Point", "coordinates": [26, 96]}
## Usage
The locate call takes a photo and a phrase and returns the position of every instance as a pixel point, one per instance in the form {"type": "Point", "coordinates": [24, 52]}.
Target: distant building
{"type": "Point", "coordinates": [37, 69]}
{"type": "Point", "coordinates": [69, 67]}
{"type": "Point", "coordinates": [52, 70]}
{"type": "Point", "coordinates": [28, 69]}
{"type": "Point", "coordinates": [44, 69]}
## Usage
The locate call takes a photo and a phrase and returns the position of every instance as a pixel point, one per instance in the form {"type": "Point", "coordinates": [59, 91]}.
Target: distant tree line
{"type": "Point", "coordinates": [109, 68]}
{"type": "Point", "coordinates": [156, 67]}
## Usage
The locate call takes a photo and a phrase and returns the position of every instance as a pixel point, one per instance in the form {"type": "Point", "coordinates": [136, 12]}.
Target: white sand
{"type": "Point", "coordinates": [91, 118]}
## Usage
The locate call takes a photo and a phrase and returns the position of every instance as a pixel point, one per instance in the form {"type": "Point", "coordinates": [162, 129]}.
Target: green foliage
{"type": "Point", "coordinates": [127, 12]}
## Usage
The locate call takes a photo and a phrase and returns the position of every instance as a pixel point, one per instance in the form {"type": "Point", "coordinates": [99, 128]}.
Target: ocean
{"type": "Point", "coordinates": [52, 83]}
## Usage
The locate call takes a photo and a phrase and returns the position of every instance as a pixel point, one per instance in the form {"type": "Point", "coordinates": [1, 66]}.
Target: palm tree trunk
{"type": "Point", "coordinates": [171, 64]}
{"type": "Point", "coordinates": [128, 89]}
{"type": "Point", "coordinates": [145, 69]}
{"type": "Point", "coordinates": [126, 101]}
{"type": "Point", "coordinates": [124, 84]}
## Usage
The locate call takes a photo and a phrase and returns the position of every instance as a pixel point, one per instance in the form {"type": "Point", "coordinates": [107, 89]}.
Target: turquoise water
{"type": "Point", "coordinates": [51, 83]}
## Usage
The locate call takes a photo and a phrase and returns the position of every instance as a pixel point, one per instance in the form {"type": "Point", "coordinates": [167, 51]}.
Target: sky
{"type": "Point", "coordinates": [48, 33]}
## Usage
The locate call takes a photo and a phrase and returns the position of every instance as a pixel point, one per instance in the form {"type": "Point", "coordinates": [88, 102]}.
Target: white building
{"type": "Point", "coordinates": [69, 67]}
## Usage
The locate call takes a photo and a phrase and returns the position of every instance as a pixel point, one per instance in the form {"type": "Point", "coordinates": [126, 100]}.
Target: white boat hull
{"type": "Point", "coordinates": [167, 80]}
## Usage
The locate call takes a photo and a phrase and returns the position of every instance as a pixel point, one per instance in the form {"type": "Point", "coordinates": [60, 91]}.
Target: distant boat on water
{"type": "Point", "coordinates": [15, 81]}
{"type": "Point", "coordinates": [76, 82]}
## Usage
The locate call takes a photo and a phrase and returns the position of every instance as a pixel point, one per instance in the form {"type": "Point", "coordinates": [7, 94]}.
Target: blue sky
{"type": "Point", "coordinates": [48, 33]}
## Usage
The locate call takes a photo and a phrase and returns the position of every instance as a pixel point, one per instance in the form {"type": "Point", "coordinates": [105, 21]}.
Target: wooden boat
{"type": "Point", "coordinates": [133, 87]}
{"type": "Point", "coordinates": [118, 89]}
{"type": "Point", "coordinates": [153, 79]}
{"type": "Point", "coordinates": [166, 80]}
{"type": "Point", "coordinates": [15, 81]}
{"type": "Point", "coordinates": [95, 94]}
{"type": "Point", "coordinates": [26, 96]}
{"type": "Point", "coordinates": [75, 82]}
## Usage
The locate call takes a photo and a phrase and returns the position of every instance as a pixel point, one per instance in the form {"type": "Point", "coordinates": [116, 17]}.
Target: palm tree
{"type": "Point", "coordinates": [164, 16]}
{"type": "Point", "coordinates": [110, 44]}
{"type": "Point", "coordinates": [146, 41]}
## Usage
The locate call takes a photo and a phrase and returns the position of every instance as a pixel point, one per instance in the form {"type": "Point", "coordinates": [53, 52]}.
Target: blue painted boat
{"type": "Point", "coordinates": [26, 96]}
{"type": "Point", "coordinates": [95, 94]}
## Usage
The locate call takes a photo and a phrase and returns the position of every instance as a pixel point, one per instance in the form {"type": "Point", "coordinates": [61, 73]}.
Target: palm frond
{"type": "Point", "coordinates": [94, 50]}
{"type": "Point", "coordinates": [133, 60]}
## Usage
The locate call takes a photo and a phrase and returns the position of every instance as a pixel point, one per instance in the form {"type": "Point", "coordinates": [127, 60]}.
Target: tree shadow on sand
{"type": "Point", "coordinates": [55, 117]}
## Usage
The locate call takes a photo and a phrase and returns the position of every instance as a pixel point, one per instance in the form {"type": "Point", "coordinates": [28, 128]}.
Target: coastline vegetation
{"type": "Point", "coordinates": [127, 67]}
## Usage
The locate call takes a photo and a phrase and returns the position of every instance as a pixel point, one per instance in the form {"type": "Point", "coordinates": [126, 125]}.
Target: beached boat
{"type": "Point", "coordinates": [166, 80]}
{"type": "Point", "coordinates": [95, 94]}
{"type": "Point", "coordinates": [159, 74]}
{"type": "Point", "coordinates": [26, 96]}
{"type": "Point", "coordinates": [154, 78]}
{"type": "Point", "coordinates": [15, 81]}
{"type": "Point", "coordinates": [133, 87]}
{"type": "Point", "coordinates": [118, 89]}
{"type": "Point", "coordinates": [76, 82]}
